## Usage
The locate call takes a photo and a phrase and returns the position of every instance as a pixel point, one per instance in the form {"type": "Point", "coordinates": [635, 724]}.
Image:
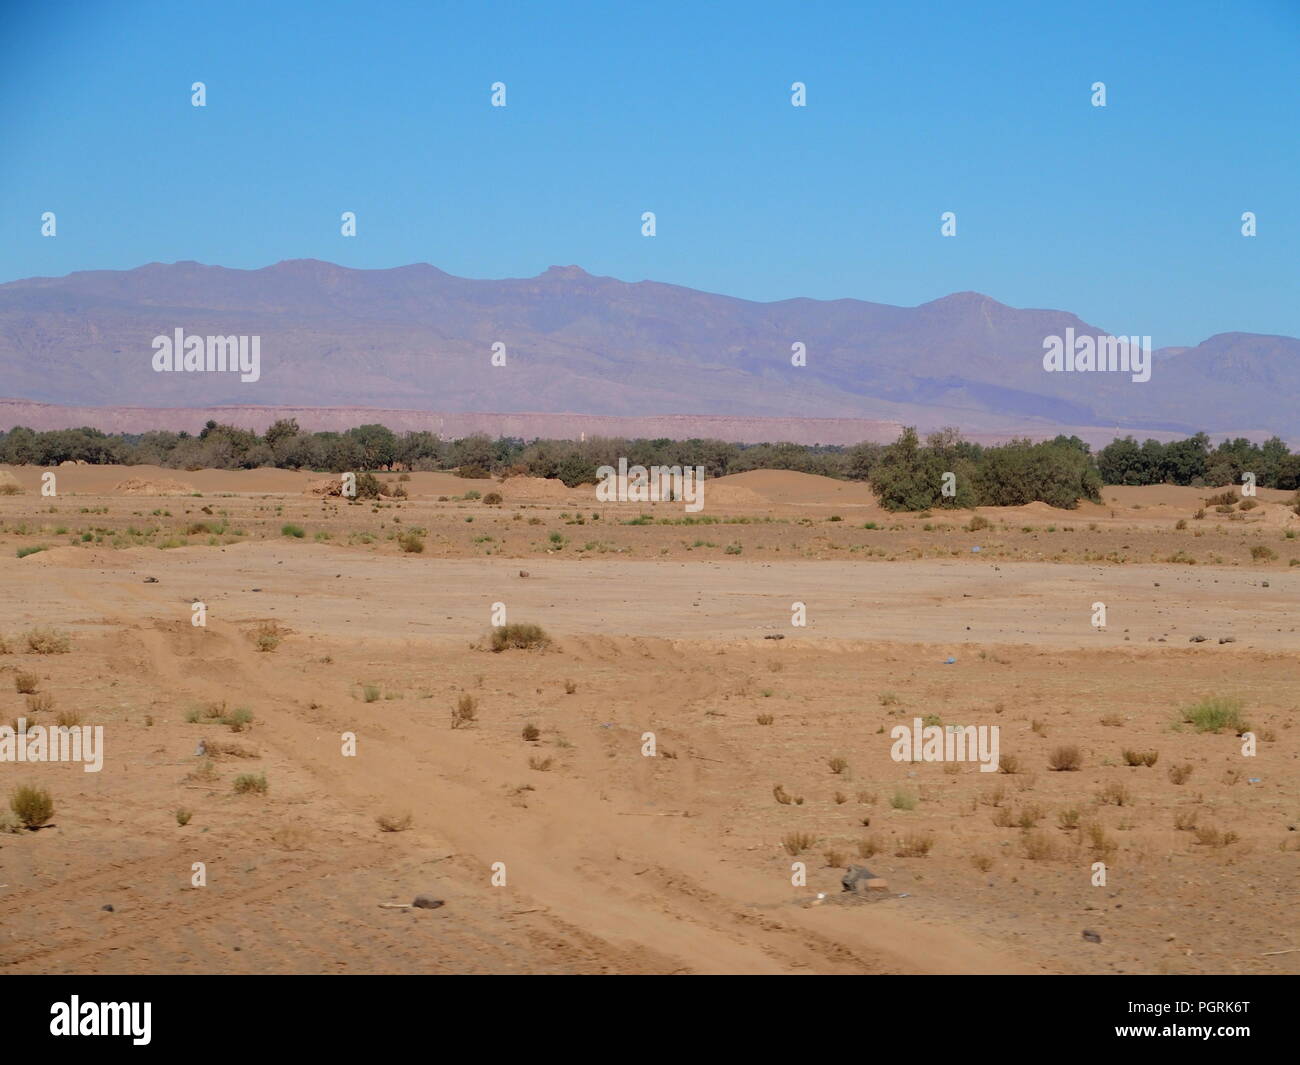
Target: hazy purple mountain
{"type": "Point", "coordinates": [415, 337]}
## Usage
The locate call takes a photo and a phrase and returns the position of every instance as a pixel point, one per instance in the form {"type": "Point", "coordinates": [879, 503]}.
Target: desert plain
{"type": "Point", "coordinates": [574, 851]}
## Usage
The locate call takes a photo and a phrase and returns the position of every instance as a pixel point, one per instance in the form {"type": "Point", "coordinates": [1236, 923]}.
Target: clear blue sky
{"type": "Point", "coordinates": [1127, 215]}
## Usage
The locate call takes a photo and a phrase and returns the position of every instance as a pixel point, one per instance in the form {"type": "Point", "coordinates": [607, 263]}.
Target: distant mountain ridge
{"type": "Point", "coordinates": [415, 338]}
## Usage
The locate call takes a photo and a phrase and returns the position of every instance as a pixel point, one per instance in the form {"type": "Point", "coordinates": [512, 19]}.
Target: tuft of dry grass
{"type": "Point", "coordinates": [542, 765]}
{"type": "Point", "coordinates": [1208, 836]}
{"type": "Point", "coordinates": [1009, 764]}
{"type": "Point", "coordinates": [267, 636]}
{"type": "Point", "coordinates": [869, 847]}
{"type": "Point", "coordinates": [390, 822]}
{"type": "Point", "coordinates": [914, 845]}
{"type": "Point", "coordinates": [1115, 794]}
{"type": "Point", "coordinates": [1066, 759]}
{"type": "Point", "coordinates": [47, 641]}
{"type": "Point", "coordinates": [251, 784]}
{"type": "Point", "coordinates": [1136, 758]}
{"type": "Point", "coordinates": [797, 842]}
{"type": "Point", "coordinates": [465, 711]}
{"type": "Point", "coordinates": [32, 805]}
{"type": "Point", "coordinates": [1179, 774]}
{"type": "Point", "coordinates": [837, 765]}
{"type": "Point", "coordinates": [531, 733]}
{"type": "Point", "coordinates": [521, 636]}
{"type": "Point", "coordinates": [26, 683]}
{"type": "Point", "coordinates": [40, 704]}
{"type": "Point", "coordinates": [1038, 846]}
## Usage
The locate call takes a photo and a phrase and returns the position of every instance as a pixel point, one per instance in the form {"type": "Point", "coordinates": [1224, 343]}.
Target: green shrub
{"type": "Point", "coordinates": [1215, 713]}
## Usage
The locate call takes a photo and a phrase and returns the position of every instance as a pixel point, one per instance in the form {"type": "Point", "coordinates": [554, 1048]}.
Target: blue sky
{"type": "Point", "coordinates": [1128, 215]}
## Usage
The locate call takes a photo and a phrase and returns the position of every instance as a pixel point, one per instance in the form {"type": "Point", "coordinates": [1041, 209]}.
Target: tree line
{"type": "Point", "coordinates": [941, 470]}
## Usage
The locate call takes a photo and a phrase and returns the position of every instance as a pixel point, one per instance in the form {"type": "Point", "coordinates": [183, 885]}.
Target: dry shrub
{"type": "Point", "coordinates": [33, 806]}
{"type": "Point", "coordinates": [1115, 794]}
{"type": "Point", "coordinates": [570, 686]}
{"type": "Point", "coordinates": [1068, 818]}
{"type": "Point", "coordinates": [1208, 836]}
{"type": "Point", "coordinates": [797, 842]}
{"type": "Point", "coordinates": [1185, 820]}
{"type": "Point", "coordinates": [1009, 764]}
{"type": "Point", "coordinates": [47, 641]}
{"type": "Point", "coordinates": [914, 845]}
{"type": "Point", "coordinates": [765, 719]}
{"type": "Point", "coordinates": [1180, 773]}
{"type": "Point", "coordinates": [982, 862]}
{"type": "Point", "coordinates": [869, 847]}
{"type": "Point", "coordinates": [1101, 845]}
{"type": "Point", "coordinates": [520, 635]}
{"type": "Point", "coordinates": [251, 784]}
{"type": "Point", "coordinates": [1065, 759]}
{"type": "Point", "coordinates": [1136, 758]}
{"type": "Point", "coordinates": [531, 733]}
{"type": "Point", "coordinates": [390, 822]}
{"type": "Point", "coordinates": [542, 765]}
{"type": "Point", "coordinates": [67, 719]}
{"type": "Point", "coordinates": [785, 798]}
{"type": "Point", "coordinates": [837, 765]}
{"type": "Point", "coordinates": [1038, 846]}
{"type": "Point", "coordinates": [40, 704]}
{"type": "Point", "coordinates": [465, 711]}
{"type": "Point", "coordinates": [1002, 817]}
{"type": "Point", "coordinates": [267, 635]}
{"type": "Point", "coordinates": [835, 859]}
{"type": "Point", "coordinates": [25, 683]}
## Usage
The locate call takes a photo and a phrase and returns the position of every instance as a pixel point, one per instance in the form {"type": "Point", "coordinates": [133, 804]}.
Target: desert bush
{"type": "Point", "coordinates": [251, 784]}
{"type": "Point", "coordinates": [1208, 836]}
{"type": "Point", "coordinates": [1003, 817]}
{"type": "Point", "coordinates": [797, 842]}
{"type": "Point", "coordinates": [465, 711]}
{"type": "Point", "coordinates": [411, 543]}
{"type": "Point", "coordinates": [33, 806]}
{"type": "Point", "coordinates": [1185, 820]}
{"type": "Point", "coordinates": [267, 636]}
{"type": "Point", "coordinates": [67, 719]}
{"type": "Point", "coordinates": [492, 499]}
{"type": "Point", "coordinates": [902, 801]}
{"type": "Point", "coordinates": [1136, 758]}
{"type": "Point", "coordinates": [1066, 759]}
{"type": "Point", "coordinates": [1215, 713]}
{"type": "Point", "coordinates": [183, 817]}
{"type": "Point", "coordinates": [1178, 774]}
{"type": "Point", "coordinates": [570, 687]}
{"type": "Point", "coordinates": [519, 635]}
{"type": "Point", "coordinates": [914, 845]}
{"type": "Point", "coordinates": [1261, 553]}
{"type": "Point", "coordinates": [238, 719]}
{"type": "Point", "coordinates": [40, 704]}
{"type": "Point", "coordinates": [1115, 794]}
{"type": "Point", "coordinates": [977, 523]}
{"type": "Point", "coordinates": [835, 859]}
{"type": "Point", "coordinates": [1038, 846]}
{"type": "Point", "coordinates": [370, 692]}
{"type": "Point", "coordinates": [765, 719]}
{"type": "Point", "coordinates": [47, 641]}
{"type": "Point", "coordinates": [869, 847]}
{"type": "Point", "coordinates": [389, 822]}
{"type": "Point", "coordinates": [982, 862]}
{"type": "Point", "coordinates": [785, 798]}
{"type": "Point", "coordinates": [837, 765]}
{"type": "Point", "coordinates": [531, 733]}
{"type": "Point", "coordinates": [26, 683]}
{"type": "Point", "coordinates": [1068, 818]}
{"type": "Point", "coordinates": [1009, 763]}
{"type": "Point", "coordinates": [296, 531]}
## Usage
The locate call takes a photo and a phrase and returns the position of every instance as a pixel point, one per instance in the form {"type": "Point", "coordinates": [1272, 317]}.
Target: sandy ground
{"type": "Point", "coordinates": [613, 861]}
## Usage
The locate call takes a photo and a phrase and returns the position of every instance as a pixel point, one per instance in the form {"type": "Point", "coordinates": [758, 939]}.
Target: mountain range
{"type": "Point", "coordinates": [416, 339]}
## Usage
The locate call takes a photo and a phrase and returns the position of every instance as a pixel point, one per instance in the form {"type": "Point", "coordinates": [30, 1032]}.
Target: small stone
{"type": "Point", "coordinates": [426, 902]}
{"type": "Point", "coordinates": [151, 580]}
{"type": "Point", "coordinates": [1227, 639]}
{"type": "Point", "coordinates": [1091, 936]}
{"type": "Point", "coordinates": [1197, 639]}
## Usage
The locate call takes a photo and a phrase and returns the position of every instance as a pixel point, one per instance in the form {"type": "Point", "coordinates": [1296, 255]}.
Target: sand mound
{"type": "Point", "coordinates": [159, 486]}
{"type": "Point", "coordinates": [787, 486]}
{"type": "Point", "coordinates": [538, 489]}
{"type": "Point", "coordinates": [9, 484]}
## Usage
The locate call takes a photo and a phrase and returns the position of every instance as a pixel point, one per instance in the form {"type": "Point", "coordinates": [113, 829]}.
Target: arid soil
{"type": "Point", "coordinates": [678, 625]}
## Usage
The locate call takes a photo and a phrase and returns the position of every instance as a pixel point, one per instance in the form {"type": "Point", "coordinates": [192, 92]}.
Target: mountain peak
{"type": "Point", "coordinates": [565, 273]}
